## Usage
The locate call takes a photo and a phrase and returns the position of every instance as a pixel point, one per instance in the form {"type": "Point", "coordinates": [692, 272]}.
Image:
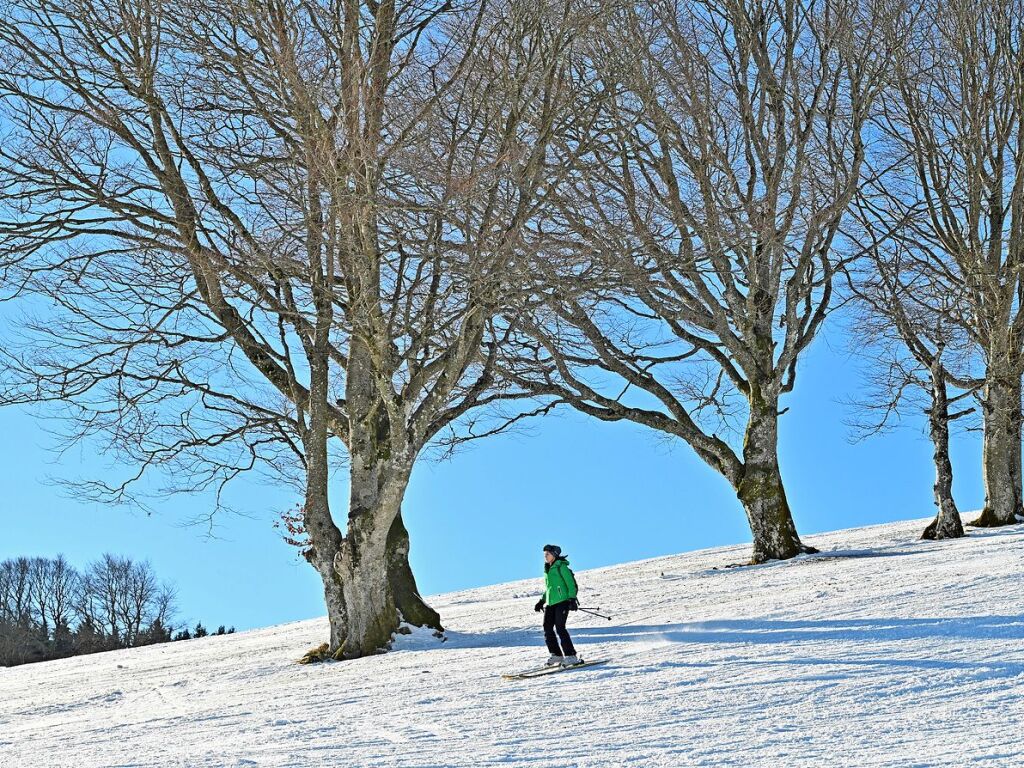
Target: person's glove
{"type": "Point", "coordinates": [574, 604]}
{"type": "Point", "coordinates": [539, 606]}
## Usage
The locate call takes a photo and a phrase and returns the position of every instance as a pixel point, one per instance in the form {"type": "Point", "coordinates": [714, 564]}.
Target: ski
{"type": "Point", "coordinates": [542, 671]}
{"type": "Point", "coordinates": [511, 675]}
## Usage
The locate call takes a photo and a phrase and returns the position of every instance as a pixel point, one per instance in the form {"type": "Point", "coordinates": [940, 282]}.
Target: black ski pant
{"type": "Point", "coordinates": [554, 621]}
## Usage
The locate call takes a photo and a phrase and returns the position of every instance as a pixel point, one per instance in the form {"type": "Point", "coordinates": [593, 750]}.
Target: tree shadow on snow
{"type": "Point", "coordinates": [856, 631]}
{"type": "Point", "coordinates": [817, 557]}
{"type": "Point", "coordinates": [985, 669]}
{"type": "Point", "coordinates": [772, 631]}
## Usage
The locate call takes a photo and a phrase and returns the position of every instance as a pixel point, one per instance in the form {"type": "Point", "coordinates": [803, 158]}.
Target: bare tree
{"type": "Point", "coordinates": [693, 251]}
{"type": "Point", "coordinates": [296, 218]}
{"type": "Point", "coordinates": [52, 586]}
{"type": "Point", "coordinates": [38, 590]}
{"type": "Point", "coordinates": [138, 600]}
{"type": "Point", "coordinates": [39, 585]}
{"type": "Point", "coordinates": [20, 635]}
{"type": "Point", "coordinates": [63, 585]}
{"type": "Point", "coordinates": [164, 606]}
{"type": "Point", "coordinates": [947, 191]}
{"type": "Point", "coordinates": [121, 598]}
{"type": "Point", "coordinates": [16, 590]}
{"type": "Point", "coordinates": [910, 326]}
{"type": "Point", "coordinates": [99, 595]}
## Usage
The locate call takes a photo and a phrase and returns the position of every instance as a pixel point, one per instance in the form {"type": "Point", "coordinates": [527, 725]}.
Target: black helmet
{"type": "Point", "coordinates": [553, 549]}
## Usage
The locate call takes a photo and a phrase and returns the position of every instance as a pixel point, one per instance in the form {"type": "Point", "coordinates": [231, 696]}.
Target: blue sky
{"type": "Point", "coordinates": [607, 493]}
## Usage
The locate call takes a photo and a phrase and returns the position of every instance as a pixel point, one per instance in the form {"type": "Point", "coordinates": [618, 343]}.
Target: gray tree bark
{"type": "Point", "coordinates": [368, 585]}
{"type": "Point", "coordinates": [411, 606]}
{"type": "Point", "coordinates": [947, 523]}
{"type": "Point", "coordinates": [369, 588]}
{"type": "Point", "coordinates": [760, 488]}
{"type": "Point", "coordinates": [1001, 450]}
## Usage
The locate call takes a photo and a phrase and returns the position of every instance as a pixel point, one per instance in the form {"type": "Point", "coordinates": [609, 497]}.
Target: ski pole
{"type": "Point", "coordinates": [595, 613]}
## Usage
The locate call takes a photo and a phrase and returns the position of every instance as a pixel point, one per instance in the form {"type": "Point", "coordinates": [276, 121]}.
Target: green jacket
{"type": "Point", "coordinates": [559, 584]}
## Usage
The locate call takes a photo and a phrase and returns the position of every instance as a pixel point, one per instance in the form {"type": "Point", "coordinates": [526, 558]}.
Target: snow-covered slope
{"type": "Point", "coordinates": [884, 650]}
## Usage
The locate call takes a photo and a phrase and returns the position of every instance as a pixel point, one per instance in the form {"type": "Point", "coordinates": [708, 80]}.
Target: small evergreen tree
{"type": "Point", "coordinates": [155, 633]}
{"type": "Point", "coordinates": [63, 641]}
{"type": "Point", "coordinates": [88, 639]}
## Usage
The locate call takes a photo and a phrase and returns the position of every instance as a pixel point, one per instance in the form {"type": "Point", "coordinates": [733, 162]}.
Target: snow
{"type": "Point", "coordinates": [882, 651]}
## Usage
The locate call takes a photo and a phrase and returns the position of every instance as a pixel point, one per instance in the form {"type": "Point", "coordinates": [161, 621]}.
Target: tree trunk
{"type": "Point", "coordinates": [1001, 451]}
{"type": "Point", "coordinates": [368, 585]}
{"type": "Point", "coordinates": [371, 618]}
{"type": "Point", "coordinates": [326, 540]}
{"type": "Point", "coordinates": [410, 606]}
{"type": "Point", "coordinates": [365, 572]}
{"type": "Point", "coordinates": [947, 523]}
{"type": "Point", "coordinates": [760, 488]}
{"type": "Point", "coordinates": [359, 567]}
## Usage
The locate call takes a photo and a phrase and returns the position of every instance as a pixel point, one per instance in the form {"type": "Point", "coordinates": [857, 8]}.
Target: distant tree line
{"type": "Point", "coordinates": [50, 610]}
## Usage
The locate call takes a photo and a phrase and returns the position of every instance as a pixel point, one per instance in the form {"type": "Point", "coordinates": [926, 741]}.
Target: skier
{"type": "Point", "coordinates": [560, 596]}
